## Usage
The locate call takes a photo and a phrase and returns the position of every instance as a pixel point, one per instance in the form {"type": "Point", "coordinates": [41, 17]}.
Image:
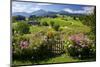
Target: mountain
{"type": "Point", "coordinates": [44, 13]}
{"type": "Point", "coordinates": [68, 13]}
{"type": "Point", "coordinates": [21, 13]}
{"type": "Point", "coordinates": [39, 13]}
{"type": "Point", "coordinates": [63, 12]}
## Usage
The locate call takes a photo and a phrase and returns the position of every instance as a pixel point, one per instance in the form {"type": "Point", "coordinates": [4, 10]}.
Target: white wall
{"type": "Point", "coordinates": [5, 33]}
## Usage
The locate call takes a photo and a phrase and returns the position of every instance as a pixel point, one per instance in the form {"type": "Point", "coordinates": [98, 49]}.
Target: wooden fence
{"type": "Point", "coordinates": [56, 46]}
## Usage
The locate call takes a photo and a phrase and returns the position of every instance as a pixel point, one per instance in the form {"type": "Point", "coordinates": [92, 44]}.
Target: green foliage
{"type": "Point", "coordinates": [18, 18]}
{"type": "Point", "coordinates": [52, 23]}
{"type": "Point", "coordinates": [81, 47]}
{"type": "Point", "coordinates": [45, 24]}
{"type": "Point", "coordinates": [89, 20]}
{"type": "Point", "coordinates": [36, 29]}
{"type": "Point", "coordinates": [21, 28]}
{"type": "Point", "coordinates": [56, 27]}
{"type": "Point", "coordinates": [36, 50]}
{"type": "Point", "coordinates": [14, 19]}
{"type": "Point", "coordinates": [32, 17]}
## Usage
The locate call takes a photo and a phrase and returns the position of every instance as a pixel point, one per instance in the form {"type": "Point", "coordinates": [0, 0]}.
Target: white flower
{"type": "Point", "coordinates": [70, 45]}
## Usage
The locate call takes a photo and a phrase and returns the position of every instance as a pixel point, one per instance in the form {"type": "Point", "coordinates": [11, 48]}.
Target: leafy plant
{"type": "Point", "coordinates": [81, 46]}
{"type": "Point", "coordinates": [45, 24]}
{"type": "Point", "coordinates": [56, 27]}
{"type": "Point", "coordinates": [52, 23]}
{"type": "Point", "coordinates": [22, 28]}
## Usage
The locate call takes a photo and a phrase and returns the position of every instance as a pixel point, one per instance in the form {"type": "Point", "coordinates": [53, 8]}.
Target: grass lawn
{"type": "Point", "coordinates": [59, 59]}
{"type": "Point", "coordinates": [64, 58]}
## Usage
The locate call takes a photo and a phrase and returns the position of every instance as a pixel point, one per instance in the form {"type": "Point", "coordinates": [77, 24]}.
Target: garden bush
{"type": "Point", "coordinates": [56, 27]}
{"type": "Point", "coordinates": [17, 46]}
{"type": "Point", "coordinates": [45, 24]}
{"type": "Point", "coordinates": [81, 47]}
{"type": "Point", "coordinates": [27, 47]}
{"type": "Point", "coordinates": [52, 23]}
{"type": "Point", "coordinates": [21, 28]}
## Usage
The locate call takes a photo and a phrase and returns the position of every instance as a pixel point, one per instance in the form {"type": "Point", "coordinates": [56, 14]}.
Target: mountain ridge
{"type": "Point", "coordinates": [43, 13]}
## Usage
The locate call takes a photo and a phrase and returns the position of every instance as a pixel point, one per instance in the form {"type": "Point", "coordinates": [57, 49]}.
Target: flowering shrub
{"type": "Point", "coordinates": [19, 44]}
{"type": "Point", "coordinates": [81, 46]}
{"type": "Point", "coordinates": [79, 39]}
{"type": "Point", "coordinates": [30, 47]}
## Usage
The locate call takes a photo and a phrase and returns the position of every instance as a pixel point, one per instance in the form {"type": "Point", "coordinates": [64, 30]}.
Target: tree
{"type": "Point", "coordinates": [14, 19]}
{"type": "Point", "coordinates": [20, 18]}
{"type": "Point", "coordinates": [52, 23]}
{"type": "Point", "coordinates": [45, 24]}
{"type": "Point", "coordinates": [32, 17]}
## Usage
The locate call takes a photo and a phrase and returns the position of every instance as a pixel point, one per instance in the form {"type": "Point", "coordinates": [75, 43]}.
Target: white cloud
{"type": "Point", "coordinates": [88, 10]}
{"type": "Point", "coordinates": [73, 11]}
{"type": "Point", "coordinates": [68, 10]}
{"type": "Point", "coordinates": [43, 4]}
{"type": "Point", "coordinates": [27, 7]}
{"type": "Point", "coordinates": [23, 7]}
{"type": "Point", "coordinates": [84, 10]}
{"type": "Point", "coordinates": [18, 7]}
{"type": "Point", "coordinates": [33, 9]}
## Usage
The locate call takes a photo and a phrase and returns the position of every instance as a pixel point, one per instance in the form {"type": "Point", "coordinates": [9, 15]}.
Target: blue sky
{"type": "Point", "coordinates": [32, 6]}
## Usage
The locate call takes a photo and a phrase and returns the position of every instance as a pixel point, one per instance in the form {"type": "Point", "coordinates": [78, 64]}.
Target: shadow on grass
{"type": "Point", "coordinates": [34, 60]}
{"type": "Point", "coordinates": [38, 60]}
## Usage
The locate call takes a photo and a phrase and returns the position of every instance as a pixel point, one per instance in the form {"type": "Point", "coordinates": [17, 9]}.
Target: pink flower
{"type": "Point", "coordinates": [79, 38]}
{"type": "Point", "coordinates": [24, 44]}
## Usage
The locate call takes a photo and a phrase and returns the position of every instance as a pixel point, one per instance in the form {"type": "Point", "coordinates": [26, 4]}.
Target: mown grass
{"type": "Point", "coordinates": [35, 29]}
{"type": "Point", "coordinates": [61, 21]}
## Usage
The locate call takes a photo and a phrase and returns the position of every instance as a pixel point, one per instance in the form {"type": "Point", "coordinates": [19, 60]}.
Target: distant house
{"type": "Point", "coordinates": [33, 22]}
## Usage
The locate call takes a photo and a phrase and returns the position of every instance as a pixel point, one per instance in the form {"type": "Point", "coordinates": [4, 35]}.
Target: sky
{"type": "Point", "coordinates": [33, 6]}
